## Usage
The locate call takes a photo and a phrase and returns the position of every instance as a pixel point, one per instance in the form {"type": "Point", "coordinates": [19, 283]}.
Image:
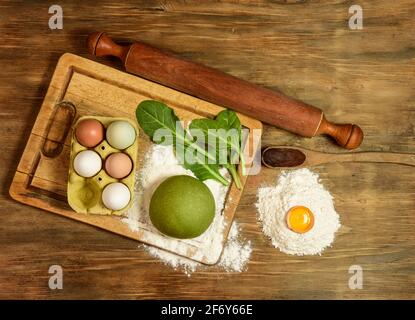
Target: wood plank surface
{"type": "Point", "coordinates": [93, 89]}
{"type": "Point", "coordinates": [303, 48]}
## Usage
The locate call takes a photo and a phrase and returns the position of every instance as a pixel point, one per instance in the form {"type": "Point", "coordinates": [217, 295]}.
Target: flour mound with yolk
{"type": "Point", "coordinates": [298, 188]}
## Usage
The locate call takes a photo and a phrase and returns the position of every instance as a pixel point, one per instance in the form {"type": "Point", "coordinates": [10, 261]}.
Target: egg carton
{"type": "Point", "coordinates": [85, 194]}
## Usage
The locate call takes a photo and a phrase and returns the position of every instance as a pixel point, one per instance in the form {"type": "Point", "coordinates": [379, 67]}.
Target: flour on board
{"type": "Point", "coordinates": [159, 164]}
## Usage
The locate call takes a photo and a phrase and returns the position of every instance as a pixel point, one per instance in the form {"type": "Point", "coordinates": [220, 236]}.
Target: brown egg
{"type": "Point", "coordinates": [118, 165]}
{"type": "Point", "coordinates": [89, 132]}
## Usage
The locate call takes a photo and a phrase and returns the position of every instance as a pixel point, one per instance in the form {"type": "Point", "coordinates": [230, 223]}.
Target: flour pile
{"type": "Point", "coordinates": [159, 164]}
{"type": "Point", "coordinates": [297, 188]}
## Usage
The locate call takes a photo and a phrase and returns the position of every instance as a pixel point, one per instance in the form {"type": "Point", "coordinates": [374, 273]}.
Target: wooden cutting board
{"type": "Point", "coordinates": [83, 87]}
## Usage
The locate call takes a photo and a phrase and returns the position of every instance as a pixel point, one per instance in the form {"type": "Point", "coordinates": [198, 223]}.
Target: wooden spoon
{"type": "Point", "coordinates": [280, 157]}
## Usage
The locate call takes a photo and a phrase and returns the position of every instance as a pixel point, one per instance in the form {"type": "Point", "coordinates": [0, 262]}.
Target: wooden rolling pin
{"type": "Point", "coordinates": [212, 85]}
{"type": "Point", "coordinates": [282, 157]}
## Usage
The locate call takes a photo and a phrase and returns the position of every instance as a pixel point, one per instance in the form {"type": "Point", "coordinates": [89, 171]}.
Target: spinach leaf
{"type": "Point", "coordinates": [154, 115]}
{"type": "Point", "coordinates": [162, 125]}
{"type": "Point", "coordinates": [226, 132]}
{"type": "Point", "coordinates": [229, 120]}
{"type": "Point", "coordinates": [199, 165]}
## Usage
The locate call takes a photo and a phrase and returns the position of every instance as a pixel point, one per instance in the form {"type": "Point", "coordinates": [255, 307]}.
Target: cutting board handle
{"type": "Point", "coordinates": [220, 88]}
{"type": "Point", "coordinates": [58, 128]}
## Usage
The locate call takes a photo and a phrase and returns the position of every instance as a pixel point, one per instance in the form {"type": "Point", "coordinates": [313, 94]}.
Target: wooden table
{"type": "Point", "coordinates": [305, 49]}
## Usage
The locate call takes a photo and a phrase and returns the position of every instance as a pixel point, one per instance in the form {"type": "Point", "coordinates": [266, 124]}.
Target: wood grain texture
{"type": "Point", "coordinates": [269, 106]}
{"type": "Point", "coordinates": [92, 89]}
{"type": "Point", "coordinates": [305, 49]}
{"type": "Point", "coordinates": [212, 85]}
{"type": "Point", "coordinates": [281, 157]}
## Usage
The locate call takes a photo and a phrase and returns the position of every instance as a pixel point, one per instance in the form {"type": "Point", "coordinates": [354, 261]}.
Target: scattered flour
{"type": "Point", "coordinates": [159, 164]}
{"type": "Point", "coordinates": [236, 253]}
{"type": "Point", "coordinates": [234, 257]}
{"type": "Point", "coordinates": [294, 188]}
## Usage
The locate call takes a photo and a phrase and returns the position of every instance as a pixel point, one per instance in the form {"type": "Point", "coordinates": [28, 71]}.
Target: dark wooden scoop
{"type": "Point", "coordinates": [212, 85]}
{"type": "Point", "coordinates": [283, 157]}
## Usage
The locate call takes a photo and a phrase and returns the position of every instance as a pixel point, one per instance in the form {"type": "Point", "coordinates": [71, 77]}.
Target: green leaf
{"type": "Point", "coordinates": [228, 119]}
{"type": "Point", "coordinates": [218, 130]}
{"type": "Point", "coordinates": [153, 116]}
{"type": "Point", "coordinates": [200, 167]}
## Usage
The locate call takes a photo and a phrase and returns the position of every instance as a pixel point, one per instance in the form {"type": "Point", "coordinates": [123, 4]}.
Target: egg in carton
{"type": "Point", "coordinates": [102, 165]}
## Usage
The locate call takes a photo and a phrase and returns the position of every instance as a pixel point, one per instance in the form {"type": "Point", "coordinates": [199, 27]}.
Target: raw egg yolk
{"type": "Point", "coordinates": [300, 219]}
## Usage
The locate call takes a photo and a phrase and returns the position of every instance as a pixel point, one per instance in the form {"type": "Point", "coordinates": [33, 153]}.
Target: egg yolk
{"type": "Point", "coordinates": [300, 219]}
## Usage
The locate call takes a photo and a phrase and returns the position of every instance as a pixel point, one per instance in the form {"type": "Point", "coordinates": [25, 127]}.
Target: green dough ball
{"type": "Point", "coordinates": [182, 207]}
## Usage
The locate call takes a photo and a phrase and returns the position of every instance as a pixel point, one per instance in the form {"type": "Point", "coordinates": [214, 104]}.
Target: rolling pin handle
{"type": "Point", "coordinates": [100, 45]}
{"type": "Point", "coordinates": [349, 136]}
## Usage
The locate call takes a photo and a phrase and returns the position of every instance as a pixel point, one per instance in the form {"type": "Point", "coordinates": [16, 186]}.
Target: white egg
{"type": "Point", "coordinates": [116, 196]}
{"type": "Point", "coordinates": [87, 163]}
